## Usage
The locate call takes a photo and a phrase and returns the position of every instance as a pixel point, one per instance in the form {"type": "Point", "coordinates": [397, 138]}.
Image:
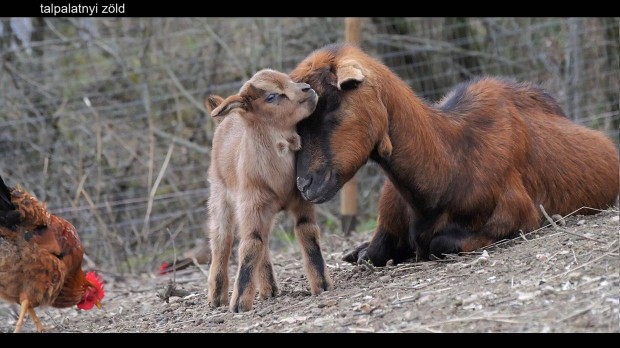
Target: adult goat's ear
{"type": "Point", "coordinates": [228, 105]}
{"type": "Point", "coordinates": [349, 74]}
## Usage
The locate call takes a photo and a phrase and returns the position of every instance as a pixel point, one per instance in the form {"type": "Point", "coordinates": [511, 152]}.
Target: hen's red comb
{"type": "Point", "coordinates": [95, 279]}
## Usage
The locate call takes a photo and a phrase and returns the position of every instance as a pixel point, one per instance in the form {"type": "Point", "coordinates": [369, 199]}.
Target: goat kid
{"type": "Point", "coordinates": [252, 178]}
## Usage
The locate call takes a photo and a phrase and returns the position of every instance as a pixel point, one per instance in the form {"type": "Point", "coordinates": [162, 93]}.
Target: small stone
{"type": "Point", "coordinates": [471, 299]}
{"type": "Point", "coordinates": [558, 219]}
{"type": "Point", "coordinates": [366, 308]}
{"type": "Point", "coordinates": [264, 312]}
{"type": "Point", "coordinates": [218, 320]}
{"type": "Point", "coordinates": [319, 321]}
{"type": "Point", "coordinates": [385, 278]}
{"type": "Point", "coordinates": [327, 303]}
{"type": "Point", "coordinates": [390, 262]}
{"type": "Point", "coordinates": [581, 222]}
{"type": "Point", "coordinates": [526, 296]}
{"type": "Point", "coordinates": [615, 218]}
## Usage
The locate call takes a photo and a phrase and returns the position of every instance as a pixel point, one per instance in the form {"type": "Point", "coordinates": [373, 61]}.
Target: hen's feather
{"type": "Point", "coordinates": [5, 198]}
{"type": "Point", "coordinates": [9, 216]}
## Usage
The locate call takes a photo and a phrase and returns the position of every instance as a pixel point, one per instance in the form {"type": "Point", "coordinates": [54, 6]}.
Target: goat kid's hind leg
{"type": "Point", "coordinates": [221, 235]}
{"type": "Point", "coordinates": [254, 223]}
{"type": "Point", "coordinates": [308, 234]}
{"type": "Point", "coordinates": [267, 284]}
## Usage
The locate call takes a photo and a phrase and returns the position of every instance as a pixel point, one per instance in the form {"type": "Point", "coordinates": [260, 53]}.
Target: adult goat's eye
{"type": "Point", "coordinates": [271, 98]}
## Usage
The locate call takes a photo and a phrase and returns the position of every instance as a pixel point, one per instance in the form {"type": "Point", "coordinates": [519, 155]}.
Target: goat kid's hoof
{"type": "Point", "coordinates": [239, 305]}
{"type": "Point", "coordinates": [325, 286]}
{"type": "Point", "coordinates": [218, 301]}
{"type": "Point", "coordinates": [269, 294]}
{"type": "Point", "coordinates": [240, 308]}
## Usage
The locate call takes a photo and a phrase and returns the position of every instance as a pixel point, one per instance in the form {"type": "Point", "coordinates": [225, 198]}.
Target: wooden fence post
{"type": "Point", "coordinates": [348, 195]}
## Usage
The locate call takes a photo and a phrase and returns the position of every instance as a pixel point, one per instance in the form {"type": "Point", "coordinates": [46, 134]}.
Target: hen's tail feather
{"type": "Point", "coordinates": [9, 216]}
{"type": "Point", "coordinates": [5, 197]}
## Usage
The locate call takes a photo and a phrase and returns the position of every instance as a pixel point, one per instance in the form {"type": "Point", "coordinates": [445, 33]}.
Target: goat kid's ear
{"type": "Point", "coordinates": [232, 103]}
{"type": "Point", "coordinates": [213, 101]}
{"type": "Point", "coordinates": [350, 75]}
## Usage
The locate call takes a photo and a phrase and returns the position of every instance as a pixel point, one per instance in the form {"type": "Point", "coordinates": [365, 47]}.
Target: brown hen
{"type": "Point", "coordinates": [41, 258]}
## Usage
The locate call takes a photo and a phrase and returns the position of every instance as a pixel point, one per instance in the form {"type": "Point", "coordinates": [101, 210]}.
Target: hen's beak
{"type": "Point", "coordinates": [98, 304]}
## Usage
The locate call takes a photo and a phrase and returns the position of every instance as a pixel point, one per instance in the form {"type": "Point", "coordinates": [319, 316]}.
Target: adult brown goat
{"type": "Point", "coordinates": [463, 173]}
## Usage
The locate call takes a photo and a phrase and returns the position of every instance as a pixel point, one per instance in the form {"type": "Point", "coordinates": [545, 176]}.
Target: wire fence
{"type": "Point", "coordinates": [102, 118]}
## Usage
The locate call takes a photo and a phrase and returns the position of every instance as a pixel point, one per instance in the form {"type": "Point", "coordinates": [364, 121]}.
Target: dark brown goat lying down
{"type": "Point", "coordinates": [463, 173]}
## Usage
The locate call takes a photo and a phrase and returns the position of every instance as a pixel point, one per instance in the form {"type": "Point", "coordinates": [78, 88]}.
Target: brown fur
{"type": "Point", "coordinates": [252, 178]}
{"type": "Point", "coordinates": [470, 170]}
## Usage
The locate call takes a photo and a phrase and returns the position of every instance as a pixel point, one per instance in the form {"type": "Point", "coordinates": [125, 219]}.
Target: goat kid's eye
{"type": "Point", "coordinates": [271, 98]}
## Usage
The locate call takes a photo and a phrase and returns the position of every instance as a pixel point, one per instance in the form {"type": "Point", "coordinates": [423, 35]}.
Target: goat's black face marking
{"type": "Point", "coordinates": [316, 180]}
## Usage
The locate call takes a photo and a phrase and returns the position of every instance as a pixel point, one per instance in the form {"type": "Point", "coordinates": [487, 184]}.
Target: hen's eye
{"type": "Point", "coordinates": [271, 98]}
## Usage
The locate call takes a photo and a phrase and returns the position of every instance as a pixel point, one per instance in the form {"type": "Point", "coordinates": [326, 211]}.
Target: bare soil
{"type": "Point", "coordinates": [550, 280]}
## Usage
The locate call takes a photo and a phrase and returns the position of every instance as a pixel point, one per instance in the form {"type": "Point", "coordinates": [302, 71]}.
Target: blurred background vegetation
{"type": "Point", "coordinates": [102, 118]}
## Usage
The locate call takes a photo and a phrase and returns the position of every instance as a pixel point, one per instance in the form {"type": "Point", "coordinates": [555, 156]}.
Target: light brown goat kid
{"type": "Point", "coordinates": [252, 177]}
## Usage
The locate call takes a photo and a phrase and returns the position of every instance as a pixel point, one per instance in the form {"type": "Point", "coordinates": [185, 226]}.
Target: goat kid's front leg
{"type": "Point", "coordinates": [221, 233]}
{"type": "Point", "coordinates": [254, 223]}
{"type": "Point", "coordinates": [308, 235]}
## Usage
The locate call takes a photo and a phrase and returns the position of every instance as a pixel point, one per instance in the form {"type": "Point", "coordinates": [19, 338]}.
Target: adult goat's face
{"type": "Point", "coordinates": [269, 97]}
{"type": "Point", "coordinates": [348, 124]}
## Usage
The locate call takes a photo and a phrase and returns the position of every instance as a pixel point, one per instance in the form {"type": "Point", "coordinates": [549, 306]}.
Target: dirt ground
{"type": "Point", "coordinates": [550, 280]}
